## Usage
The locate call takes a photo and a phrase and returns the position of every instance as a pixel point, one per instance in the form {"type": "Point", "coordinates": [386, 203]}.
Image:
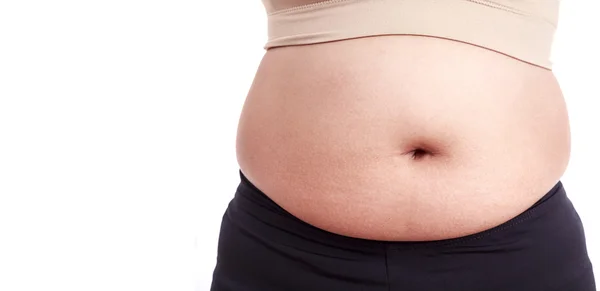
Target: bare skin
{"type": "Point", "coordinates": [402, 138]}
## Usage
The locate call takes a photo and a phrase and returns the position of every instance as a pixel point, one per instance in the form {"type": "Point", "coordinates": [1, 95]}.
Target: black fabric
{"type": "Point", "coordinates": [262, 248]}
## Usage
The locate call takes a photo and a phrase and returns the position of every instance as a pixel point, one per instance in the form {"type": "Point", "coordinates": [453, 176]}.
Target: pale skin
{"type": "Point", "coordinates": [402, 137]}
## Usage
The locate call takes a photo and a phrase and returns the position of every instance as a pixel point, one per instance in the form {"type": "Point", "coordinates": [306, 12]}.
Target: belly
{"type": "Point", "coordinates": [401, 137]}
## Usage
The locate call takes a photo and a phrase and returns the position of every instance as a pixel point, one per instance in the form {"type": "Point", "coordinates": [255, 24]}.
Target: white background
{"type": "Point", "coordinates": [117, 128]}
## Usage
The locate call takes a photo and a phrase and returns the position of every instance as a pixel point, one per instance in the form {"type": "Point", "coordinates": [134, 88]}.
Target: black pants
{"type": "Point", "coordinates": [262, 248]}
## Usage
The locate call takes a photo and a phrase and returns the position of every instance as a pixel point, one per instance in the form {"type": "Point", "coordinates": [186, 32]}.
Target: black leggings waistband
{"type": "Point", "coordinates": [263, 247]}
{"type": "Point", "coordinates": [250, 197]}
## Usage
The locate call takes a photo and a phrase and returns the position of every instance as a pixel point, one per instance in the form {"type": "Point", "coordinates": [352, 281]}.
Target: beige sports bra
{"type": "Point", "coordinates": [523, 29]}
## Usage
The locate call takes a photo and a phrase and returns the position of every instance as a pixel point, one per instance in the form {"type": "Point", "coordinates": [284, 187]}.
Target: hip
{"type": "Point", "coordinates": [264, 247]}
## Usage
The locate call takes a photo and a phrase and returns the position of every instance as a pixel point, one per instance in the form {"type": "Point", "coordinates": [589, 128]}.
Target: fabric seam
{"type": "Point", "coordinates": [488, 3]}
{"type": "Point", "coordinates": [307, 6]}
{"type": "Point", "coordinates": [495, 5]}
{"type": "Point", "coordinates": [387, 267]}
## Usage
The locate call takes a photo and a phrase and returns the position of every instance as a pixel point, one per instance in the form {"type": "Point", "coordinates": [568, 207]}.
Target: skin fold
{"type": "Point", "coordinates": [402, 137]}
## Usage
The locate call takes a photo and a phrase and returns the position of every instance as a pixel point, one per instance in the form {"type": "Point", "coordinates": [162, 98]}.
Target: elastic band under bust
{"type": "Point", "coordinates": [520, 29]}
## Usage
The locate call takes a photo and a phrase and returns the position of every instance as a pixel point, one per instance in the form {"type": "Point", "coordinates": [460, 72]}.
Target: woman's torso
{"type": "Point", "coordinates": [329, 132]}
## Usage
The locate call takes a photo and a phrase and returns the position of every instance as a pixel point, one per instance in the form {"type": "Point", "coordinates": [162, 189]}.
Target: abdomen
{"type": "Point", "coordinates": [402, 138]}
